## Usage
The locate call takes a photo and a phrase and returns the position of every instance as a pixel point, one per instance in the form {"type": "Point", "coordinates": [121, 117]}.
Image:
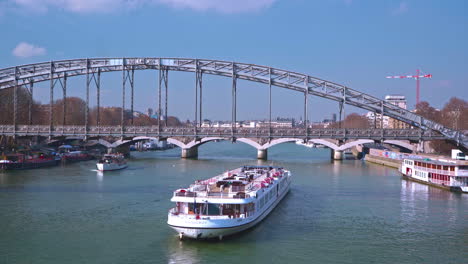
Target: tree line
{"type": "Point", "coordinates": [453, 115]}
{"type": "Point", "coordinates": [75, 111]}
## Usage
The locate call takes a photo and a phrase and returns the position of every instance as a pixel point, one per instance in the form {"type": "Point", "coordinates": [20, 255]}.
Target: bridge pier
{"type": "Point", "coordinates": [262, 154]}
{"type": "Point", "coordinates": [189, 153]}
{"type": "Point", "coordinates": [336, 154]}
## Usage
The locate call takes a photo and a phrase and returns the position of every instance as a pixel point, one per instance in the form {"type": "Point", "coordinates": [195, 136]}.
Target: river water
{"type": "Point", "coordinates": [336, 212]}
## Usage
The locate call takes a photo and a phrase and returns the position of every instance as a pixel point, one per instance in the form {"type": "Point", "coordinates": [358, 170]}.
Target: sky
{"type": "Point", "coordinates": [356, 43]}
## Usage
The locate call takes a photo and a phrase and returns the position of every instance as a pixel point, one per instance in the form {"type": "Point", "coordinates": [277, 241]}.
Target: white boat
{"type": "Point", "coordinates": [228, 203]}
{"type": "Point", "coordinates": [308, 144]}
{"type": "Point", "coordinates": [447, 174]}
{"type": "Point", "coordinates": [110, 162]}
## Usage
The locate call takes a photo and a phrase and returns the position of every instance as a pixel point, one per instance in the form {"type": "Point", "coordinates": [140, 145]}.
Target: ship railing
{"type": "Point", "coordinates": [444, 172]}
{"type": "Point", "coordinates": [173, 211]}
{"type": "Point", "coordinates": [198, 187]}
{"type": "Point", "coordinates": [233, 195]}
{"type": "Point", "coordinates": [205, 194]}
{"type": "Point", "coordinates": [185, 194]}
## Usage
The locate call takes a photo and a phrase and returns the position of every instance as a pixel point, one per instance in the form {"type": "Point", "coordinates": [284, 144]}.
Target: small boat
{"type": "Point", "coordinates": [33, 161]}
{"type": "Point", "coordinates": [110, 162]}
{"type": "Point", "coordinates": [447, 174]}
{"type": "Point", "coordinates": [228, 203]}
{"type": "Point", "coordinates": [308, 144]}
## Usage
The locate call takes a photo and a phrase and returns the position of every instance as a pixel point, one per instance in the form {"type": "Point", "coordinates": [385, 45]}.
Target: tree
{"type": "Point", "coordinates": [455, 114]}
{"type": "Point", "coordinates": [352, 121]}
{"type": "Point", "coordinates": [7, 106]}
{"type": "Point", "coordinates": [425, 110]}
{"type": "Point", "coordinates": [75, 111]}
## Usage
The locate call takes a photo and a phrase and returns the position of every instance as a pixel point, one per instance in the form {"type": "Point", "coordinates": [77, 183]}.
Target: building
{"type": "Point", "coordinates": [206, 123]}
{"type": "Point", "coordinates": [400, 101]}
{"type": "Point", "coordinates": [375, 120]}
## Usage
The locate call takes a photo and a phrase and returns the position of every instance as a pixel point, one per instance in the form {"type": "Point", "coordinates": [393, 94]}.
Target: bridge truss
{"type": "Point", "coordinates": [57, 72]}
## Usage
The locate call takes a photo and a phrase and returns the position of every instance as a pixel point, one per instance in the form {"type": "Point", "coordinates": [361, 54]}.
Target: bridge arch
{"type": "Point", "coordinates": [192, 143]}
{"type": "Point", "coordinates": [401, 143]}
{"type": "Point", "coordinates": [24, 75]}
{"type": "Point", "coordinates": [351, 144]}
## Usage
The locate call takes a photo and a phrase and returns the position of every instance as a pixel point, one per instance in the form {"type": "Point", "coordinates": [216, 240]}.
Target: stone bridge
{"type": "Point", "coordinates": [190, 138]}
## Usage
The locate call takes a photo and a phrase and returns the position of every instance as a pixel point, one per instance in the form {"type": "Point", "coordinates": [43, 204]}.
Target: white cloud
{"type": "Point", "coordinates": [77, 6]}
{"type": "Point", "coordinates": [26, 50]}
{"type": "Point", "coordinates": [223, 6]}
{"type": "Point", "coordinates": [104, 6]}
{"type": "Point", "coordinates": [402, 8]}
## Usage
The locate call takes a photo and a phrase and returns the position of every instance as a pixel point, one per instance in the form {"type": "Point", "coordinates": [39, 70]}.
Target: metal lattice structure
{"type": "Point", "coordinates": [59, 71]}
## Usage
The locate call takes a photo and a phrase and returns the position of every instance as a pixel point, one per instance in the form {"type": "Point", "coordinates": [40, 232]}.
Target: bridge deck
{"type": "Point", "coordinates": [240, 132]}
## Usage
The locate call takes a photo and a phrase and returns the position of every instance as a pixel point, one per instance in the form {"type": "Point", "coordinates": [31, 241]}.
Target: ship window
{"type": "Point", "coordinates": [195, 208]}
{"type": "Point", "coordinates": [452, 168]}
{"type": "Point", "coordinates": [439, 167]}
{"type": "Point", "coordinates": [213, 209]}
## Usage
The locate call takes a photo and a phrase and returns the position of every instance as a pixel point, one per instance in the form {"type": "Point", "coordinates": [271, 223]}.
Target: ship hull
{"type": "Point", "coordinates": [28, 165]}
{"type": "Point", "coordinates": [445, 187]}
{"type": "Point", "coordinates": [110, 167]}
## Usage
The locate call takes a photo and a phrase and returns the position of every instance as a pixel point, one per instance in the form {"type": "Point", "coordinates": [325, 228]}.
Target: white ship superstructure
{"type": "Point", "coordinates": [448, 174]}
{"type": "Point", "coordinates": [228, 203]}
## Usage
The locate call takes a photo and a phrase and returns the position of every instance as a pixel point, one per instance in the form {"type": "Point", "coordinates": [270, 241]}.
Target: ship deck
{"type": "Point", "coordinates": [240, 183]}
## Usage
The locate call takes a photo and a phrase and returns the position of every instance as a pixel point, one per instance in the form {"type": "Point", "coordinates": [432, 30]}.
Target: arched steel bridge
{"type": "Point", "coordinates": [57, 72]}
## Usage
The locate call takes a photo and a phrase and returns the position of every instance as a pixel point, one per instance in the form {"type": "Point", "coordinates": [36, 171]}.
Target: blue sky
{"type": "Point", "coordinates": [353, 42]}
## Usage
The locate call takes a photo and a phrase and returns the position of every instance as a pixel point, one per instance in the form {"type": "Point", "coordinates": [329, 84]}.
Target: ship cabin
{"type": "Point", "coordinates": [234, 194]}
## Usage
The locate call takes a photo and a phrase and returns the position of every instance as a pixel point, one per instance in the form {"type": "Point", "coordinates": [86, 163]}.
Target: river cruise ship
{"type": "Point", "coordinates": [228, 203]}
{"type": "Point", "coordinates": [447, 174]}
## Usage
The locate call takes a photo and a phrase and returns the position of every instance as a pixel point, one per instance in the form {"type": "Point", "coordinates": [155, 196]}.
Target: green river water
{"type": "Point", "coordinates": [336, 212]}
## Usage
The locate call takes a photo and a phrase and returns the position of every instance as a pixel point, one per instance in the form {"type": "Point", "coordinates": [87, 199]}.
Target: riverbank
{"type": "Point", "coordinates": [388, 158]}
{"type": "Point", "coordinates": [383, 161]}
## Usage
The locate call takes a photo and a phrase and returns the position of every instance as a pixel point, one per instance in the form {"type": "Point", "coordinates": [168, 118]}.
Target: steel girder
{"type": "Point", "coordinates": [24, 74]}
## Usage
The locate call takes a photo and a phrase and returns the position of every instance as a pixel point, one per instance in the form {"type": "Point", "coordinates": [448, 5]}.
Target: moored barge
{"type": "Point", "coordinates": [447, 174]}
{"type": "Point", "coordinates": [228, 203]}
{"type": "Point", "coordinates": [23, 162]}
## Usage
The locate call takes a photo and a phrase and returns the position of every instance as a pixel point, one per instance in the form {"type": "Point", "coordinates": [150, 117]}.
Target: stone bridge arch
{"type": "Point", "coordinates": [401, 143]}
